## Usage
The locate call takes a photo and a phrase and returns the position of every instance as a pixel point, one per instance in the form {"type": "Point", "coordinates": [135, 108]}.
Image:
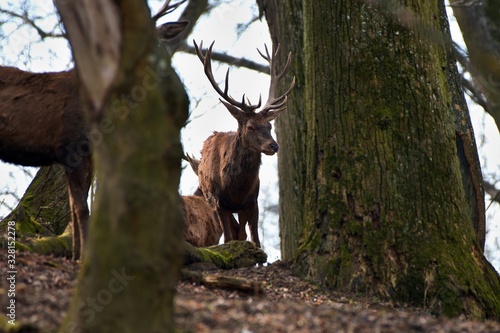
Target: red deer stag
{"type": "Point", "coordinates": [229, 169]}
{"type": "Point", "coordinates": [41, 123]}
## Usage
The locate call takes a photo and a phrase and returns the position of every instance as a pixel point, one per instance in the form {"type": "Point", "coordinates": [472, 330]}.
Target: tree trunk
{"type": "Point", "coordinates": [385, 206]}
{"type": "Point", "coordinates": [480, 26]}
{"type": "Point", "coordinates": [44, 208]}
{"type": "Point", "coordinates": [287, 30]}
{"type": "Point", "coordinates": [130, 268]}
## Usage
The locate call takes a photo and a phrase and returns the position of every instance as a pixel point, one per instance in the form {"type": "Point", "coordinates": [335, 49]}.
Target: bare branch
{"type": "Point", "coordinates": [30, 21]}
{"type": "Point", "coordinates": [493, 192]}
{"type": "Point", "coordinates": [230, 60]}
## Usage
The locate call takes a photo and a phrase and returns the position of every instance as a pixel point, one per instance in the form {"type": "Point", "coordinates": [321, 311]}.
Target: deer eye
{"type": "Point", "coordinates": [250, 128]}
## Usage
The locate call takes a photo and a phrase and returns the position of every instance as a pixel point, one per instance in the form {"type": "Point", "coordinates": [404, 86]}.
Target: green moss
{"type": "Point", "coordinates": [226, 256]}
{"type": "Point", "coordinates": [17, 328]}
{"type": "Point", "coordinates": [28, 227]}
{"type": "Point", "coordinates": [383, 116]}
{"type": "Point", "coordinates": [346, 267]}
{"type": "Point", "coordinates": [58, 245]}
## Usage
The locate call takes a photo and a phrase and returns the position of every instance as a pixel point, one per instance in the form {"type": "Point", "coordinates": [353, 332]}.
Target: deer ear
{"type": "Point", "coordinates": [234, 110]}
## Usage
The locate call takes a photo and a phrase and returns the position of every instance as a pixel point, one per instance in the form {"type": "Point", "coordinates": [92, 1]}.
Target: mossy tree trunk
{"type": "Point", "coordinates": [44, 208]}
{"type": "Point", "coordinates": [386, 208]}
{"type": "Point", "coordinates": [131, 264]}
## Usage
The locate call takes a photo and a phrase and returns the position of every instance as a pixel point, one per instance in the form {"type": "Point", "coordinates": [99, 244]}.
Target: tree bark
{"type": "Point", "coordinates": [385, 205]}
{"type": "Point", "coordinates": [285, 23]}
{"type": "Point", "coordinates": [44, 208]}
{"type": "Point", "coordinates": [132, 261]}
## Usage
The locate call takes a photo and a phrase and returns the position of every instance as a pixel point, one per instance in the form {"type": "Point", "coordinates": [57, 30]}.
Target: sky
{"type": "Point", "coordinates": [208, 114]}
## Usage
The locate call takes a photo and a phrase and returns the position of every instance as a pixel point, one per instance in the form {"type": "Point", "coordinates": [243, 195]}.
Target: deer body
{"type": "Point", "coordinates": [229, 178]}
{"type": "Point", "coordinates": [39, 138]}
{"type": "Point", "coordinates": [228, 172]}
{"type": "Point", "coordinates": [42, 123]}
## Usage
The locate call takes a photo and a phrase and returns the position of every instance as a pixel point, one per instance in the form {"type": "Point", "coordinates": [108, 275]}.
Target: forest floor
{"type": "Point", "coordinates": [44, 285]}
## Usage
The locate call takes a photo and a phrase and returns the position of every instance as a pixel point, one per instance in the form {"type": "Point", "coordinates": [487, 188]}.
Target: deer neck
{"type": "Point", "coordinates": [242, 155]}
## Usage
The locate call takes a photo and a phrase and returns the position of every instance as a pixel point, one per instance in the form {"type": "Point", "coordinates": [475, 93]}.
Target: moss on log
{"type": "Point", "coordinates": [234, 254]}
{"type": "Point", "coordinates": [59, 246]}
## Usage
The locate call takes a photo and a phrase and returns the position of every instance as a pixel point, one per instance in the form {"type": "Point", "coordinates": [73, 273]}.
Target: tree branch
{"type": "Point", "coordinates": [31, 22]}
{"type": "Point", "coordinates": [492, 192]}
{"type": "Point", "coordinates": [228, 59]}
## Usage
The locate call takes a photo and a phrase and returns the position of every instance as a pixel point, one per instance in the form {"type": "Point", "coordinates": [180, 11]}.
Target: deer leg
{"type": "Point", "coordinates": [253, 223]}
{"type": "Point", "coordinates": [242, 232]}
{"type": "Point", "coordinates": [75, 228]}
{"type": "Point", "coordinates": [79, 180]}
{"type": "Point", "coordinates": [229, 225]}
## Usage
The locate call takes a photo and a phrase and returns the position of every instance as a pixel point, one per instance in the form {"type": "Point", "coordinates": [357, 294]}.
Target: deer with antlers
{"type": "Point", "coordinates": [228, 172]}
{"type": "Point", "coordinates": [42, 123]}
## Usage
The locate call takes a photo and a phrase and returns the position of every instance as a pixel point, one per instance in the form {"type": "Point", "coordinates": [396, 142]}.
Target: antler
{"type": "Point", "coordinates": [207, 65]}
{"type": "Point", "coordinates": [167, 9]}
{"type": "Point", "coordinates": [276, 104]}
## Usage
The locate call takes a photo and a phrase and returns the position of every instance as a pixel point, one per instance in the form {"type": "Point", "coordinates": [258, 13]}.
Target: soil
{"type": "Point", "coordinates": [285, 303]}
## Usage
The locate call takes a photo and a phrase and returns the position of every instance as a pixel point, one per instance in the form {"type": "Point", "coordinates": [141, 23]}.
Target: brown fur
{"type": "Point", "coordinates": [229, 175]}
{"type": "Point", "coordinates": [41, 124]}
{"type": "Point", "coordinates": [201, 222]}
{"type": "Point", "coordinates": [229, 169]}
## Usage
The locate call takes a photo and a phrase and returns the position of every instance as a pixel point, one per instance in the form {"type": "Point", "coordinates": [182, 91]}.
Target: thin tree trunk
{"type": "Point", "coordinates": [285, 23]}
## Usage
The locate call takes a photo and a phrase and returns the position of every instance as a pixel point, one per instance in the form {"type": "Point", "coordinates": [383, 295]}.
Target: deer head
{"type": "Point", "coordinates": [254, 127]}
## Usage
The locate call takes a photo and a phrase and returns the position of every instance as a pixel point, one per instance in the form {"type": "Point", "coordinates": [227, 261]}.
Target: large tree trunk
{"type": "Point", "coordinates": [386, 205]}
{"type": "Point", "coordinates": [130, 268]}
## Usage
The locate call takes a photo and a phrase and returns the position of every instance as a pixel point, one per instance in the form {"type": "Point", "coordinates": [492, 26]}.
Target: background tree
{"type": "Point", "coordinates": [480, 26]}
{"type": "Point", "coordinates": [386, 208]}
{"type": "Point", "coordinates": [286, 25]}
{"type": "Point", "coordinates": [136, 227]}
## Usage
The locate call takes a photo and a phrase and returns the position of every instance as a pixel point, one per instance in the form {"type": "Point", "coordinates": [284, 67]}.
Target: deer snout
{"type": "Point", "coordinates": [272, 148]}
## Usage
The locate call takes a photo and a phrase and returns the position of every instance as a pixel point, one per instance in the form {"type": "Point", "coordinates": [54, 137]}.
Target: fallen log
{"type": "Point", "coordinates": [225, 282]}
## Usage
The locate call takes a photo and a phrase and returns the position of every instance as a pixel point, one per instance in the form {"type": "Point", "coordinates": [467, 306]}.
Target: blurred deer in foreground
{"type": "Point", "coordinates": [229, 169]}
{"type": "Point", "coordinates": [42, 123]}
